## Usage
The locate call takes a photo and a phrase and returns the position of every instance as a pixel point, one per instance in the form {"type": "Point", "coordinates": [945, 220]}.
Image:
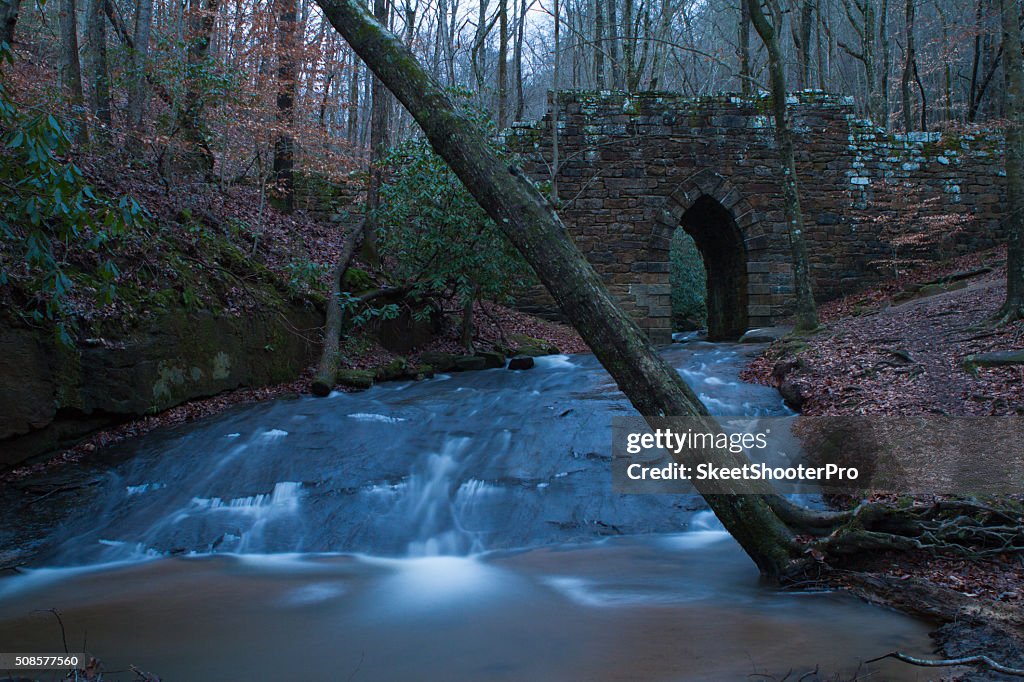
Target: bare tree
{"type": "Point", "coordinates": [70, 66]}
{"type": "Point", "coordinates": [1013, 75]}
{"type": "Point", "coordinates": [99, 77]}
{"type": "Point", "coordinates": [806, 311]}
{"type": "Point", "coordinates": [287, 54]}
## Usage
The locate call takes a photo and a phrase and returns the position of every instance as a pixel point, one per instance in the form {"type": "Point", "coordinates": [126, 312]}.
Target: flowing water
{"type": "Point", "coordinates": [457, 528]}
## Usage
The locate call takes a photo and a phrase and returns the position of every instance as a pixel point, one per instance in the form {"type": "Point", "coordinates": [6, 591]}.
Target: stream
{"type": "Point", "coordinates": [457, 528]}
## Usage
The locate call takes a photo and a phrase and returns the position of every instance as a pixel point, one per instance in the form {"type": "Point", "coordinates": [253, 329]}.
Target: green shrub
{"type": "Point", "coordinates": [688, 278]}
{"type": "Point", "coordinates": [435, 237]}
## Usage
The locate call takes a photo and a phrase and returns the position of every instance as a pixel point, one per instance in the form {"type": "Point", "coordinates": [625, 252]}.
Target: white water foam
{"type": "Point", "coordinates": [370, 417]}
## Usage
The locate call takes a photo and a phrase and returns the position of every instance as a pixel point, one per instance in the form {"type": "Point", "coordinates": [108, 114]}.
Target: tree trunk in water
{"type": "Point", "coordinates": [806, 312]}
{"type": "Point", "coordinates": [284, 145]}
{"type": "Point", "coordinates": [1013, 74]}
{"type": "Point", "coordinates": [70, 66]}
{"type": "Point", "coordinates": [140, 58]}
{"type": "Point", "coordinates": [531, 224]}
{"type": "Point", "coordinates": [908, 68]}
{"type": "Point", "coordinates": [327, 372]}
{"type": "Point", "coordinates": [96, 32]}
{"type": "Point", "coordinates": [8, 19]}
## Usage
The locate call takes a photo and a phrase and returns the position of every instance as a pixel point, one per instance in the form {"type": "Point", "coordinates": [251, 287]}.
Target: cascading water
{"type": "Point", "coordinates": [459, 528]}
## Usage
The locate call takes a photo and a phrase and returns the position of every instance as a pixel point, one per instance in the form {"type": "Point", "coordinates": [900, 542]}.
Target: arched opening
{"type": "Point", "coordinates": [721, 247]}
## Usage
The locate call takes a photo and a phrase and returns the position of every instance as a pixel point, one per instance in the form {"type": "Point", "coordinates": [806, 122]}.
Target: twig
{"type": "Point", "coordinates": [946, 662]}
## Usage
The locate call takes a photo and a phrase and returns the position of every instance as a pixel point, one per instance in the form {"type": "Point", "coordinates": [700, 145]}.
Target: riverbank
{"type": "Point", "coordinates": [906, 348]}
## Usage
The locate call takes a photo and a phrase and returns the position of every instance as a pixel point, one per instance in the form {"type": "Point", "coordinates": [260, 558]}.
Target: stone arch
{"type": "Point", "coordinates": [726, 231]}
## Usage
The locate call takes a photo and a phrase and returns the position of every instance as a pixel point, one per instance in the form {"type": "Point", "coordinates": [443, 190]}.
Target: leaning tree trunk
{"type": "Point", "coordinates": [532, 225]}
{"type": "Point", "coordinates": [806, 312]}
{"type": "Point", "coordinates": [1013, 73]}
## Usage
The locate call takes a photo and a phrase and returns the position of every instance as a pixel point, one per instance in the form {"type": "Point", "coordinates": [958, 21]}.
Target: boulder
{"type": "Point", "coordinates": [441, 362]}
{"type": "Point", "coordinates": [521, 362]}
{"type": "Point", "coordinates": [356, 378]}
{"type": "Point", "coordinates": [469, 363]}
{"type": "Point", "coordinates": [765, 334]}
{"type": "Point", "coordinates": [396, 369]}
{"type": "Point", "coordinates": [521, 341]}
{"type": "Point", "coordinates": [793, 393]}
{"type": "Point", "coordinates": [492, 359]}
{"type": "Point", "coordinates": [532, 351]}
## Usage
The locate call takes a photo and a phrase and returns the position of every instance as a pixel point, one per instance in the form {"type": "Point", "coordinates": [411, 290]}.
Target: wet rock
{"type": "Point", "coordinates": [356, 378]}
{"type": "Point", "coordinates": [765, 334]}
{"type": "Point", "coordinates": [793, 393]}
{"type": "Point", "coordinates": [493, 359]}
{"type": "Point", "coordinates": [470, 363]}
{"type": "Point", "coordinates": [521, 362]}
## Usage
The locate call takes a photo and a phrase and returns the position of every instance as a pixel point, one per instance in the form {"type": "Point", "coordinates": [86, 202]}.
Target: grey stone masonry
{"type": "Point", "coordinates": [633, 167]}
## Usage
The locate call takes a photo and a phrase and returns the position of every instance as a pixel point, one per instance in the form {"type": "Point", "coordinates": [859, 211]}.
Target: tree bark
{"type": "Point", "coordinates": [140, 60]}
{"type": "Point", "coordinates": [70, 66]}
{"type": "Point", "coordinates": [802, 43]}
{"type": "Point", "coordinates": [8, 19]}
{"type": "Point", "coordinates": [531, 224]}
{"type": "Point", "coordinates": [96, 32]}
{"type": "Point", "coordinates": [1013, 74]}
{"type": "Point", "coordinates": [380, 115]}
{"type": "Point", "coordinates": [806, 311]}
{"type": "Point", "coordinates": [196, 155]}
{"type": "Point", "coordinates": [353, 103]}
{"type": "Point", "coordinates": [327, 372]}
{"type": "Point", "coordinates": [599, 44]}
{"type": "Point", "coordinates": [908, 67]}
{"type": "Point", "coordinates": [746, 78]}
{"type": "Point", "coordinates": [287, 56]}
{"type": "Point", "coordinates": [503, 38]}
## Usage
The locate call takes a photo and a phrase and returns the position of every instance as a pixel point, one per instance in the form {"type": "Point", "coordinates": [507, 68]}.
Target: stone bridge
{"type": "Point", "coordinates": [634, 168]}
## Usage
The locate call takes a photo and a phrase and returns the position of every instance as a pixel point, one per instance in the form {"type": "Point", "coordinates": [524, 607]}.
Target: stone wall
{"type": "Point", "coordinates": [633, 167]}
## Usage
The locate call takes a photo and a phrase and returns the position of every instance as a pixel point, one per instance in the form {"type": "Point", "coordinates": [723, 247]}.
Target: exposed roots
{"type": "Point", "coordinates": [955, 527]}
{"type": "Point", "coordinates": [984, 661]}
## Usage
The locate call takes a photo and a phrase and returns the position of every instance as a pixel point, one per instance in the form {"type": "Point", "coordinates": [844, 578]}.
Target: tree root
{"type": "Point", "coordinates": [957, 527]}
{"type": "Point", "coordinates": [947, 662]}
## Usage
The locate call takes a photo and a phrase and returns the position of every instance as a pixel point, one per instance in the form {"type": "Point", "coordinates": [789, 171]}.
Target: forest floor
{"type": "Point", "coordinates": [898, 349]}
